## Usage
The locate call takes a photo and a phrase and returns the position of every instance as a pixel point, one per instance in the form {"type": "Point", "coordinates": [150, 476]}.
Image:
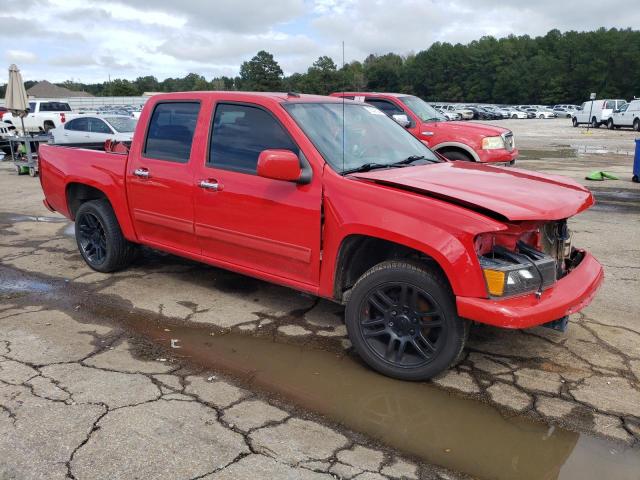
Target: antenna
{"type": "Point", "coordinates": [343, 118]}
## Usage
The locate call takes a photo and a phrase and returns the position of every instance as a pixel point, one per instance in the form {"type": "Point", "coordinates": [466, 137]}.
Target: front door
{"type": "Point", "coordinates": [160, 178]}
{"type": "Point", "coordinates": [256, 225]}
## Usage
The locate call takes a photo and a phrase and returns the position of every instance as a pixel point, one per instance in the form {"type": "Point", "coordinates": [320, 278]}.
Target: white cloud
{"type": "Point", "coordinates": [90, 39]}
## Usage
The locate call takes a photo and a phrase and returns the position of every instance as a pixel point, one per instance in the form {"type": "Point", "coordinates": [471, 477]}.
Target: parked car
{"type": "Point", "coordinates": [453, 140]}
{"type": "Point", "coordinates": [541, 113]}
{"type": "Point", "coordinates": [43, 116]}
{"type": "Point", "coordinates": [628, 115]}
{"type": "Point", "coordinates": [514, 113]}
{"type": "Point", "coordinates": [562, 112]}
{"type": "Point", "coordinates": [465, 113]}
{"type": "Point", "coordinates": [449, 115]}
{"type": "Point", "coordinates": [499, 112]}
{"type": "Point", "coordinates": [95, 129]}
{"type": "Point", "coordinates": [596, 112]}
{"type": "Point", "coordinates": [331, 197]}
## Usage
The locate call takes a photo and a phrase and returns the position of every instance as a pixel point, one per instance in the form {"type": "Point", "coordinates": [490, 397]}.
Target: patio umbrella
{"type": "Point", "coordinates": [16, 97]}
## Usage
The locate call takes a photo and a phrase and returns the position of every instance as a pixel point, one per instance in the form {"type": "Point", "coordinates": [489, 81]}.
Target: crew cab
{"type": "Point", "coordinates": [473, 142]}
{"type": "Point", "coordinates": [43, 116]}
{"type": "Point", "coordinates": [333, 198]}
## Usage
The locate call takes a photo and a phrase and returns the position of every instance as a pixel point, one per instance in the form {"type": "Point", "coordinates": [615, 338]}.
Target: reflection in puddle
{"type": "Point", "coordinates": [415, 418]}
{"type": "Point", "coordinates": [572, 151]}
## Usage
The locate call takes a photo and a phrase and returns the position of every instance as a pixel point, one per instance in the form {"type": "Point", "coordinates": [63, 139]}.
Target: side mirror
{"type": "Point", "coordinates": [279, 165]}
{"type": "Point", "coordinates": [402, 120]}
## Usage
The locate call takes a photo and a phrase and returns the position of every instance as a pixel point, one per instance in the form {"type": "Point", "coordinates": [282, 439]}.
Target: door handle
{"type": "Point", "coordinates": [427, 134]}
{"type": "Point", "coordinates": [141, 172]}
{"type": "Point", "coordinates": [210, 185]}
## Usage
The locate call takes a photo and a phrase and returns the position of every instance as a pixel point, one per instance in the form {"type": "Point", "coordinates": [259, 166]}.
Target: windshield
{"type": "Point", "coordinates": [122, 124]}
{"type": "Point", "coordinates": [369, 135]}
{"type": "Point", "coordinates": [422, 109]}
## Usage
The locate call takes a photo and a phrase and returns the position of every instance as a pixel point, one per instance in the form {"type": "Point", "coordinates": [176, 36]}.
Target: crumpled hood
{"type": "Point", "coordinates": [509, 192]}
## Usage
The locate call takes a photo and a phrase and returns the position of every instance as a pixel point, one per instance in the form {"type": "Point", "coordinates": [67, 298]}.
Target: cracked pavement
{"type": "Point", "coordinates": [87, 400]}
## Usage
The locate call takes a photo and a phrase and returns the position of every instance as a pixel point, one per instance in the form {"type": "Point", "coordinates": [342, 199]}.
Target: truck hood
{"type": "Point", "coordinates": [510, 193]}
{"type": "Point", "coordinates": [470, 127]}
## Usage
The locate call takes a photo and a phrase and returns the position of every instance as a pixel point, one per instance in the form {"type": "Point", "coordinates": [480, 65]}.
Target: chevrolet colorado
{"type": "Point", "coordinates": [332, 197]}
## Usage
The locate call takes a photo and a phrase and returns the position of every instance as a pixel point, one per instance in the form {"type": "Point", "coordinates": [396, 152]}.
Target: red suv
{"type": "Point", "coordinates": [454, 140]}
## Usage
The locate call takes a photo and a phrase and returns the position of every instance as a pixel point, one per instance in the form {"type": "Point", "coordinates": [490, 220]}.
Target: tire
{"type": "Point", "coordinates": [414, 339]}
{"type": "Point", "coordinates": [594, 123]}
{"type": "Point", "coordinates": [18, 169]}
{"type": "Point", "coordinates": [574, 122]}
{"type": "Point", "coordinates": [456, 155]}
{"type": "Point", "coordinates": [541, 117]}
{"type": "Point", "coordinates": [48, 126]}
{"type": "Point", "coordinates": [515, 117]}
{"type": "Point", "coordinates": [99, 238]}
{"type": "Point", "coordinates": [635, 179]}
{"type": "Point", "coordinates": [610, 124]}
{"type": "Point", "coordinates": [32, 172]}
{"type": "Point", "coordinates": [636, 124]}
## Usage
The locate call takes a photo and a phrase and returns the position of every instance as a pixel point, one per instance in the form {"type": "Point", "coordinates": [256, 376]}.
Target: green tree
{"type": "Point", "coordinates": [261, 73]}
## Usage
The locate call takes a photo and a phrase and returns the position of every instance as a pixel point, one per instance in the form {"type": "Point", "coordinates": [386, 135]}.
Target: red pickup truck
{"type": "Point", "coordinates": [470, 141]}
{"type": "Point", "coordinates": [333, 198]}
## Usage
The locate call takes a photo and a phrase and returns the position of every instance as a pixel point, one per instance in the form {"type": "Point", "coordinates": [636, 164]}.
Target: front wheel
{"type": "Point", "coordinates": [456, 155]}
{"type": "Point", "coordinates": [574, 122]}
{"type": "Point", "coordinates": [610, 124]}
{"type": "Point", "coordinates": [402, 321]}
{"type": "Point", "coordinates": [100, 239]}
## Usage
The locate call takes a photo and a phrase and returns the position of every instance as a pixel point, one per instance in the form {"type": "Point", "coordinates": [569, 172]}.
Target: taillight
{"type": "Point", "coordinates": [62, 118]}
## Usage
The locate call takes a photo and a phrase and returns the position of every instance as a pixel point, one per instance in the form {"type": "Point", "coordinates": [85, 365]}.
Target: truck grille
{"type": "Point", "coordinates": [509, 141]}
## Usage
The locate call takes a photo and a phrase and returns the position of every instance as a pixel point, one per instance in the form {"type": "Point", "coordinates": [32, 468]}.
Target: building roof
{"type": "Point", "coordinates": [46, 89]}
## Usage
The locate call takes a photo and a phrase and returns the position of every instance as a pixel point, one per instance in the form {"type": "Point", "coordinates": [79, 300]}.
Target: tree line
{"type": "Point", "coordinates": [554, 68]}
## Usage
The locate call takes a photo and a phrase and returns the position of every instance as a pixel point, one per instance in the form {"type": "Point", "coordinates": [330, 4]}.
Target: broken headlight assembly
{"type": "Point", "coordinates": [508, 273]}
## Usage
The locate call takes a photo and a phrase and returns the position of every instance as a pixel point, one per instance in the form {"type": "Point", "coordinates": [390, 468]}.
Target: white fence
{"type": "Point", "coordinates": [91, 103]}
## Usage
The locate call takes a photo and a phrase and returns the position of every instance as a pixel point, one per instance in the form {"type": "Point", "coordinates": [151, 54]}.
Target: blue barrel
{"type": "Point", "coordinates": [636, 163]}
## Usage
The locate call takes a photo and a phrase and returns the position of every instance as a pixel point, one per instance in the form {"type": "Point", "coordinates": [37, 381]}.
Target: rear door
{"type": "Point", "coordinates": [160, 178]}
{"type": "Point", "coordinates": [99, 131]}
{"type": "Point", "coordinates": [72, 131]}
{"type": "Point", "coordinates": [253, 224]}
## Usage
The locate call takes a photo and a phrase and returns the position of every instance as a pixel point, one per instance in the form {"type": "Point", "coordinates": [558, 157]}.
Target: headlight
{"type": "Point", "coordinates": [492, 143]}
{"type": "Point", "coordinates": [510, 273]}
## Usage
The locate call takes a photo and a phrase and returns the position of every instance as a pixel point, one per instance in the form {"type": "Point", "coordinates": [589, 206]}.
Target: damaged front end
{"type": "Point", "coordinates": [527, 258]}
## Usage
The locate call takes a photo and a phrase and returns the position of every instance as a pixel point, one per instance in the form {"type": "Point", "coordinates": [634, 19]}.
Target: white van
{"type": "Point", "coordinates": [627, 115]}
{"type": "Point", "coordinates": [598, 114]}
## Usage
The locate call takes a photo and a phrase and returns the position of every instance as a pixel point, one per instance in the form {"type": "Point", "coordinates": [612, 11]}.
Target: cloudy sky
{"type": "Point", "coordinates": [87, 40]}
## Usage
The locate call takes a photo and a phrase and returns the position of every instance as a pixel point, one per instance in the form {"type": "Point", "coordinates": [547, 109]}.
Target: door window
{"type": "Point", "coordinates": [240, 133]}
{"type": "Point", "coordinates": [170, 132]}
{"type": "Point", "coordinates": [98, 126]}
{"type": "Point", "coordinates": [78, 125]}
{"type": "Point", "coordinates": [387, 107]}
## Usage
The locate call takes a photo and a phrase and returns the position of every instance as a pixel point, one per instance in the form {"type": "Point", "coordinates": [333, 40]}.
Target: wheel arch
{"type": "Point", "coordinates": [357, 253]}
{"type": "Point", "coordinates": [456, 146]}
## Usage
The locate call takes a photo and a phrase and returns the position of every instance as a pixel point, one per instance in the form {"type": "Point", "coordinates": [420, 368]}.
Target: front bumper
{"type": "Point", "coordinates": [500, 155]}
{"type": "Point", "coordinates": [568, 295]}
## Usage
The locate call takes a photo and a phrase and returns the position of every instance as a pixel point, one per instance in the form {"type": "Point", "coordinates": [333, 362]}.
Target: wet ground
{"type": "Point", "coordinates": [215, 375]}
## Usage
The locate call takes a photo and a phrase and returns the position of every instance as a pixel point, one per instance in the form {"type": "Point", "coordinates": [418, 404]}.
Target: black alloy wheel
{"type": "Point", "coordinates": [92, 238]}
{"type": "Point", "coordinates": [402, 324]}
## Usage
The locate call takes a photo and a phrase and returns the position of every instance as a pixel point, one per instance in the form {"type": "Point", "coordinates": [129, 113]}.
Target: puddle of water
{"type": "Point", "coordinates": [572, 151]}
{"type": "Point", "coordinates": [617, 200]}
{"type": "Point", "coordinates": [33, 218]}
{"type": "Point", "coordinates": [25, 285]}
{"type": "Point", "coordinates": [416, 418]}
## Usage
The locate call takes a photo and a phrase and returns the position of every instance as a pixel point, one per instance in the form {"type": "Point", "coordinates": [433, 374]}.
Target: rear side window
{"type": "Point", "coordinates": [610, 104]}
{"type": "Point", "coordinates": [54, 107]}
{"type": "Point", "coordinates": [170, 132]}
{"type": "Point", "coordinates": [79, 124]}
{"type": "Point", "coordinates": [240, 133]}
{"type": "Point", "coordinates": [387, 107]}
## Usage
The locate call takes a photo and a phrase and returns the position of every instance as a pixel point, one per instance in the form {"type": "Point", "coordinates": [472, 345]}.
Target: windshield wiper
{"type": "Point", "coordinates": [408, 160]}
{"type": "Point", "coordinates": [365, 167]}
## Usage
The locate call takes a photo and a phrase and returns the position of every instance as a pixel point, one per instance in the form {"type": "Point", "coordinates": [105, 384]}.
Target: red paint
{"type": "Point", "coordinates": [439, 135]}
{"type": "Point", "coordinates": [291, 233]}
{"type": "Point", "coordinates": [279, 165]}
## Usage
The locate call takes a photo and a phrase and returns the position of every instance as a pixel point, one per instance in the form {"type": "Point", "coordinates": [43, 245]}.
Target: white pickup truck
{"type": "Point", "coordinates": [43, 116]}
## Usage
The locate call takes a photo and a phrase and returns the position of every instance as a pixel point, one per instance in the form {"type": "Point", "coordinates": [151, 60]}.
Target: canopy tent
{"type": "Point", "coordinates": [16, 97]}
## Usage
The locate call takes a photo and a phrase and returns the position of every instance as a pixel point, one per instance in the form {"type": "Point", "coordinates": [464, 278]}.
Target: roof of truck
{"type": "Point", "coordinates": [280, 97]}
{"type": "Point", "coordinates": [370, 94]}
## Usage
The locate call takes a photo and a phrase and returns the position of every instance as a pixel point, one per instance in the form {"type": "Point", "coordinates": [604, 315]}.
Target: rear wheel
{"type": "Point", "coordinates": [100, 239]}
{"type": "Point", "coordinates": [456, 155]}
{"type": "Point", "coordinates": [48, 126]}
{"type": "Point", "coordinates": [610, 124]}
{"type": "Point", "coordinates": [402, 321]}
{"type": "Point", "coordinates": [594, 123]}
{"type": "Point", "coordinates": [574, 122]}
{"type": "Point", "coordinates": [636, 124]}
